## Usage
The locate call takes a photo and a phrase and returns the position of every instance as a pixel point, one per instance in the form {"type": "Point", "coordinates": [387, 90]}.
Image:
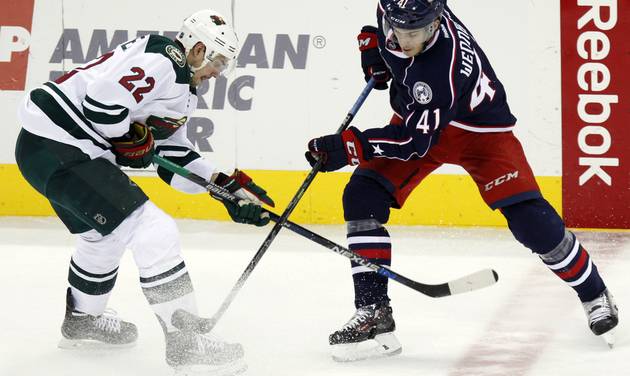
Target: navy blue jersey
{"type": "Point", "coordinates": [451, 83]}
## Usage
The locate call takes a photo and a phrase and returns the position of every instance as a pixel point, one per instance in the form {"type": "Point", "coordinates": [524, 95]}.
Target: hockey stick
{"type": "Point", "coordinates": [285, 215]}
{"type": "Point", "coordinates": [480, 279]}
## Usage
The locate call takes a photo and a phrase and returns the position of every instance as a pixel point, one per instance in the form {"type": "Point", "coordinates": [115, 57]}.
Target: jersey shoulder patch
{"type": "Point", "coordinates": [162, 45]}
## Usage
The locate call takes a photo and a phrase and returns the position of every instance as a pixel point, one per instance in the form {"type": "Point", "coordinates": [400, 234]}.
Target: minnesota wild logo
{"type": "Point", "coordinates": [176, 54]}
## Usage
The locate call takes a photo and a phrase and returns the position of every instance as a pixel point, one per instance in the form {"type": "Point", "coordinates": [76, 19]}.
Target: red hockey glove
{"type": "Point", "coordinates": [135, 148]}
{"type": "Point", "coordinates": [338, 150]}
{"type": "Point", "coordinates": [371, 61]}
{"type": "Point", "coordinates": [243, 187]}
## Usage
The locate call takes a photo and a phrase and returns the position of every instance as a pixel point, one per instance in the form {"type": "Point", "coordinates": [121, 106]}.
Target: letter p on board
{"type": "Point", "coordinates": [16, 19]}
{"type": "Point", "coordinates": [13, 39]}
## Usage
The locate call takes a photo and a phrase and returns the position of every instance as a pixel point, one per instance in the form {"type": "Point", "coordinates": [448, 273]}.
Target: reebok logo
{"type": "Point", "coordinates": [595, 114]}
{"type": "Point", "coordinates": [16, 18]}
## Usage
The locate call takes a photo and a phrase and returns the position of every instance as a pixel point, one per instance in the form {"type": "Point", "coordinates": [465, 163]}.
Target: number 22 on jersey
{"type": "Point", "coordinates": [128, 82]}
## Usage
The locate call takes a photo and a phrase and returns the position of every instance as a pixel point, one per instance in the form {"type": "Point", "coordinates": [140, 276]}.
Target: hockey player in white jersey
{"type": "Point", "coordinates": [119, 110]}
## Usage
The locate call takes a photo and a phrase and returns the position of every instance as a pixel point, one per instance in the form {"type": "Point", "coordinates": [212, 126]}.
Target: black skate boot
{"type": "Point", "coordinates": [191, 352]}
{"type": "Point", "coordinates": [603, 316]}
{"type": "Point", "coordinates": [368, 334]}
{"type": "Point", "coordinates": [80, 330]}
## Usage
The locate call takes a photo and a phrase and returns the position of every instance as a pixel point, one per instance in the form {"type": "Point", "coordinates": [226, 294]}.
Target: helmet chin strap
{"type": "Point", "coordinates": [195, 69]}
{"type": "Point", "coordinates": [431, 31]}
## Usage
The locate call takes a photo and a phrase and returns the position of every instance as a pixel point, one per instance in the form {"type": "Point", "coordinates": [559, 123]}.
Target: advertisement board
{"type": "Point", "coordinates": [596, 113]}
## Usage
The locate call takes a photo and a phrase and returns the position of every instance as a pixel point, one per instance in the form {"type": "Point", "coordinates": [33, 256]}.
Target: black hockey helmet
{"type": "Point", "coordinates": [412, 14]}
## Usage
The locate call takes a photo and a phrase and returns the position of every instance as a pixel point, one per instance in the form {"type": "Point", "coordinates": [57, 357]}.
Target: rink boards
{"type": "Point", "coordinates": [440, 200]}
{"type": "Point", "coordinates": [298, 75]}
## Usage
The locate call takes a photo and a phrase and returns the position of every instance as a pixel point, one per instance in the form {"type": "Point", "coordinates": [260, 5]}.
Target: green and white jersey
{"type": "Point", "coordinates": [94, 103]}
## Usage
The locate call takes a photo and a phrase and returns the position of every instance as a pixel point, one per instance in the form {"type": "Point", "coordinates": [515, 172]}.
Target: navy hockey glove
{"type": "Point", "coordinates": [338, 150]}
{"type": "Point", "coordinates": [371, 60]}
{"type": "Point", "coordinates": [251, 198]}
{"type": "Point", "coordinates": [135, 148]}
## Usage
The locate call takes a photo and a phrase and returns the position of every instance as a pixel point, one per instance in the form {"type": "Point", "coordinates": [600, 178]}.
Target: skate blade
{"type": "Point", "coordinates": [88, 344]}
{"type": "Point", "coordinates": [381, 346]}
{"type": "Point", "coordinates": [609, 338]}
{"type": "Point", "coordinates": [233, 368]}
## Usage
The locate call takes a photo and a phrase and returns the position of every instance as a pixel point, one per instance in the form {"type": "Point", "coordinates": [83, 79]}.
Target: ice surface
{"type": "Point", "coordinates": [529, 323]}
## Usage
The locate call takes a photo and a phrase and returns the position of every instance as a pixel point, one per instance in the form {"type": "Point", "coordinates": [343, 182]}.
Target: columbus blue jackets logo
{"type": "Point", "coordinates": [422, 92]}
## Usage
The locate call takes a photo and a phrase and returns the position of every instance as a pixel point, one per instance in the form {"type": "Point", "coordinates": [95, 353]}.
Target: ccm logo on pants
{"type": "Point", "coordinates": [501, 180]}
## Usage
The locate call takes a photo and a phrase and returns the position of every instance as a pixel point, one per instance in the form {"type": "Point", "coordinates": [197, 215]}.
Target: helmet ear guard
{"type": "Point", "coordinates": [211, 29]}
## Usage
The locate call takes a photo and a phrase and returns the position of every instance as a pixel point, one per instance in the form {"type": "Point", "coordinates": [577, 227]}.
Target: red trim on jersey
{"type": "Point", "coordinates": [453, 56]}
{"type": "Point", "coordinates": [100, 60]}
{"type": "Point", "coordinates": [396, 120]}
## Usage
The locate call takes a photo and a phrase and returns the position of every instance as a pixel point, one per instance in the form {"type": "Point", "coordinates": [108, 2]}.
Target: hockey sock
{"type": "Point", "coordinates": [90, 291]}
{"type": "Point", "coordinates": [570, 261]}
{"type": "Point", "coordinates": [366, 205]}
{"type": "Point", "coordinates": [154, 239]}
{"type": "Point", "coordinates": [537, 225]}
{"type": "Point", "coordinates": [168, 292]}
{"type": "Point", "coordinates": [93, 271]}
{"type": "Point", "coordinates": [370, 240]}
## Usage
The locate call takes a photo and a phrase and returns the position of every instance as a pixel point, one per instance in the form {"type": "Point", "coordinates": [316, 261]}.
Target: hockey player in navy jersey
{"type": "Point", "coordinates": [119, 110]}
{"type": "Point", "coordinates": [449, 107]}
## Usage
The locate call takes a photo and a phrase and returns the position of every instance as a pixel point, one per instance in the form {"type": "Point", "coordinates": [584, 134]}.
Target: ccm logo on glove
{"type": "Point", "coordinates": [338, 150]}
{"type": "Point", "coordinates": [353, 156]}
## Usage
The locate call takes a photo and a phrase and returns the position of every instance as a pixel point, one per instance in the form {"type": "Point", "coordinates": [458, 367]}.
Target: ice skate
{"type": "Point", "coordinates": [368, 334]}
{"type": "Point", "coordinates": [603, 316]}
{"type": "Point", "coordinates": [83, 331]}
{"type": "Point", "coordinates": [190, 352]}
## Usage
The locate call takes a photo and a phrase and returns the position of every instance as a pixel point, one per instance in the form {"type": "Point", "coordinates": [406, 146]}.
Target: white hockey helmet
{"type": "Point", "coordinates": [211, 29]}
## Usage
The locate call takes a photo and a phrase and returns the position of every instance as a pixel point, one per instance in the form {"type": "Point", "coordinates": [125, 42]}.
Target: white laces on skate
{"type": "Point", "coordinates": [108, 321]}
{"type": "Point", "coordinates": [598, 309]}
{"type": "Point", "coordinates": [360, 316]}
{"type": "Point", "coordinates": [206, 344]}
